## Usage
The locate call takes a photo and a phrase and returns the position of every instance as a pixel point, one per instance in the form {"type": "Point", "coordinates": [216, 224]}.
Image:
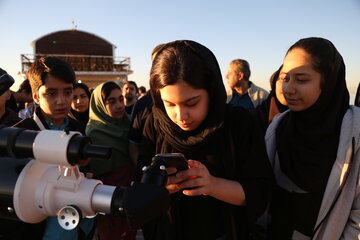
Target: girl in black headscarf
{"type": "Point", "coordinates": [274, 104]}
{"type": "Point", "coordinates": [226, 186]}
{"type": "Point", "coordinates": [80, 104]}
{"type": "Point", "coordinates": [313, 148]}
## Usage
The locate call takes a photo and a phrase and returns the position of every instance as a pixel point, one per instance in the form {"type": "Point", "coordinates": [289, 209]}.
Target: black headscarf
{"type": "Point", "coordinates": [82, 117]}
{"type": "Point", "coordinates": [307, 141]}
{"type": "Point", "coordinates": [275, 105]}
{"type": "Point", "coordinates": [267, 110]}
{"type": "Point", "coordinates": [171, 135]}
{"type": "Point", "coordinates": [357, 98]}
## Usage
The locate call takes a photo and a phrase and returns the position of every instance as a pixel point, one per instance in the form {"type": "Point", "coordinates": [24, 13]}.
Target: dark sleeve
{"type": "Point", "coordinates": [27, 123]}
{"type": "Point", "coordinates": [148, 146]}
{"type": "Point", "coordinates": [261, 115]}
{"type": "Point", "coordinates": [142, 109]}
{"type": "Point", "coordinates": [255, 175]}
{"type": "Point", "coordinates": [135, 133]}
{"type": "Point", "coordinates": [14, 121]}
{"type": "Point", "coordinates": [75, 125]}
{"type": "Point", "coordinates": [10, 117]}
{"type": "Point", "coordinates": [11, 103]}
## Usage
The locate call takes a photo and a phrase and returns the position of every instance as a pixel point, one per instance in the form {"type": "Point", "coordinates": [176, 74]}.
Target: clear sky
{"type": "Point", "coordinates": [259, 31]}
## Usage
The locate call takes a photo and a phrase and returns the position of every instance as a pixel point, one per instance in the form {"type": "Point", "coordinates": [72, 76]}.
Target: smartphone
{"type": "Point", "coordinates": [176, 160]}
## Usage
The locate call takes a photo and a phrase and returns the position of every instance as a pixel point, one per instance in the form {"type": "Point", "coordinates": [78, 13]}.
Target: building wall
{"type": "Point", "coordinates": [92, 57]}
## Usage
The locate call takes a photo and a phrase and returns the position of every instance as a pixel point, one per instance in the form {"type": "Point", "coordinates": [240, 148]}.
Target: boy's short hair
{"type": "Point", "coordinates": [53, 66]}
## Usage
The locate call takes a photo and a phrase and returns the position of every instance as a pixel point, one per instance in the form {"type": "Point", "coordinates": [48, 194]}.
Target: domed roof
{"type": "Point", "coordinates": [73, 42]}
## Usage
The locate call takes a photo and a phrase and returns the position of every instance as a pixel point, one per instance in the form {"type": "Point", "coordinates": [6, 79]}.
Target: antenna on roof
{"type": "Point", "coordinates": [74, 26]}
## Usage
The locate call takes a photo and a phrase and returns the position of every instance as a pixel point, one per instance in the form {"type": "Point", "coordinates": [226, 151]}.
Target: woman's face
{"type": "Point", "coordinates": [279, 92]}
{"type": "Point", "coordinates": [80, 101]}
{"type": "Point", "coordinates": [186, 106]}
{"type": "Point", "coordinates": [301, 83]}
{"type": "Point", "coordinates": [115, 104]}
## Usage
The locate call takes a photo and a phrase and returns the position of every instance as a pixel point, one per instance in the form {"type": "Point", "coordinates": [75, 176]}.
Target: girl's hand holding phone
{"type": "Point", "coordinates": [194, 181]}
{"type": "Point", "coordinates": [172, 180]}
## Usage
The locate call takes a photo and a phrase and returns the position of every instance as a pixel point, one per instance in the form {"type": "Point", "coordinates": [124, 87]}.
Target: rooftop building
{"type": "Point", "coordinates": [92, 57]}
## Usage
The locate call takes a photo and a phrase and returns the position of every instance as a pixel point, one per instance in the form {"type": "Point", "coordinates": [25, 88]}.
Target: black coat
{"type": "Point", "coordinates": [239, 144]}
{"type": "Point", "coordinates": [9, 118]}
{"type": "Point", "coordinates": [29, 123]}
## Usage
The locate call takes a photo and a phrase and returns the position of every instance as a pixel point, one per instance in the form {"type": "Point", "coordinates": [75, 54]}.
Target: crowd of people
{"type": "Point", "coordinates": [283, 164]}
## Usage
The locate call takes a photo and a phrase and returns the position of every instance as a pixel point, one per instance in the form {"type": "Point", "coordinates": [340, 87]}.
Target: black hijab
{"type": "Point", "coordinates": [267, 110]}
{"type": "Point", "coordinates": [275, 105]}
{"type": "Point", "coordinates": [171, 135]}
{"type": "Point", "coordinates": [82, 117]}
{"type": "Point", "coordinates": [357, 98]}
{"type": "Point", "coordinates": [307, 141]}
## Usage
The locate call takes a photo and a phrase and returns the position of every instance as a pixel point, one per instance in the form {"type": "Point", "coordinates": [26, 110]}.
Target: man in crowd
{"type": "Point", "coordinates": [22, 98]}
{"type": "Point", "coordinates": [244, 92]}
{"type": "Point", "coordinates": [141, 92]}
{"type": "Point", "coordinates": [129, 91]}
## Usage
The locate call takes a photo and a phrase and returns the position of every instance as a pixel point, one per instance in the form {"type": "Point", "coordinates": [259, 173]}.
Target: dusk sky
{"type": "Point", "coordinates": [259, 31]}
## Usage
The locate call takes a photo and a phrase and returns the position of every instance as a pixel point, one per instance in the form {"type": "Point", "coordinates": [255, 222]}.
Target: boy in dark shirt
{"type": "Point", "coordinates": [52, 81]}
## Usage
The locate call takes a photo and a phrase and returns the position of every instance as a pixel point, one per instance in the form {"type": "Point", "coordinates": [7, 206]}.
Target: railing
{"type": "Point", "coordinates": [84, 63]}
